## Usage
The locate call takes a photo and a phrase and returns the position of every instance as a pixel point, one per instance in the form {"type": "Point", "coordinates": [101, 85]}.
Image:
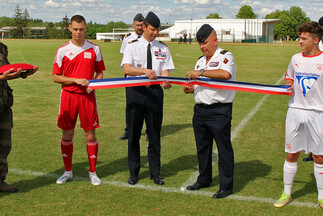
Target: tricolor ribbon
{"type": "Point", "coordinates": [212, 83]}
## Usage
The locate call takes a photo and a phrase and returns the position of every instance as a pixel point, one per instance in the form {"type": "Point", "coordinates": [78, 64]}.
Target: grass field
{"type": "Point", "coordinates": [258, 127]}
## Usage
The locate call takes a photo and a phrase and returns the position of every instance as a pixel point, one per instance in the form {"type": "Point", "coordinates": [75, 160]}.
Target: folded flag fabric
{"type": "Point", "coordinates": [15, 67]}
{"type": "Point", "coordinates": [212, 83]}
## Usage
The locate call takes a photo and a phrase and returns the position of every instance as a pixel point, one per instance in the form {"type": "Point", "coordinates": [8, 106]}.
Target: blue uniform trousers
{"type": "Point", "coordinates": [144, 103]}
{"type": "Point", "coordinates": [214, 122]}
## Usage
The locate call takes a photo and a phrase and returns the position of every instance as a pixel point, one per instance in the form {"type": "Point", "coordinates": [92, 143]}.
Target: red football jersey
{"type": "Point", "coordinates": [78, 62]}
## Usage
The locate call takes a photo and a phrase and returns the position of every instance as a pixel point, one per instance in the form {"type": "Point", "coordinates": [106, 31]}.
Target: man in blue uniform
{"type": "Point", "coordinates": [213, 112]}
{"type": "Point", "coordinates": [150, 58]}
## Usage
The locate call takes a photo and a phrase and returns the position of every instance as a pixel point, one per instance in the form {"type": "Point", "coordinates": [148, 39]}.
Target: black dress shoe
{"type": "Point", "coordinates": [308, 157]}
{"type": "Point", "coordinates": [124, 136]}
{"type": "Point", "coordinates": [133, 180]}
{"type": "Point", "coordinates": [197, 186]}
{"type": "Point", "coordinates": [158, 180]}
{"type": "Point", "coordinates": [222, 194]}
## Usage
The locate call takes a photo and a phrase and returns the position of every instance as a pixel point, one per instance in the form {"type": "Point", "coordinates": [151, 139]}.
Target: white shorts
{"type": "Point", "coordinates": [304, 131]}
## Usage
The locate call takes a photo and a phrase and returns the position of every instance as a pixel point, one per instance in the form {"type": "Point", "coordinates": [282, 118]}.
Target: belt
{"type": "Point", "coordinates": [145, 86]}
{"type": "Point", "coordinates": [213, 105]}
{"type": "Point", "coordinates": [152, 86]}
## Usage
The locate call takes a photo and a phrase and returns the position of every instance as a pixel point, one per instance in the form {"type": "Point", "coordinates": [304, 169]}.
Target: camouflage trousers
{"type": "Point", "coordinates": [5, 141]}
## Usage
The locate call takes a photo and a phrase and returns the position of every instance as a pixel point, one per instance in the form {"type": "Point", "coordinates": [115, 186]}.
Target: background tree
{"type": "Point", "coordinates": [6, 21]}
{"type": "Point", "coordinates": [111, 25]}
{"type": "Point", "coordinates": [92, 29]}
{"type": "Point", "coordinates": [18, 23]}
{"type": "Point", "coordinates": [25, 23]}
{"type": "Point", "coordinates": [37, 23]}
{"type": "Point", "coordinates": [213, 16]}
{"type": "Point", "coordinates": [290, 20]}
{"type": "Point", "coordinates": [51, 31]}
{"type": "Point", "coordinates": [66, 34]}
{"type": "Point", "coordinates": [246, 12]}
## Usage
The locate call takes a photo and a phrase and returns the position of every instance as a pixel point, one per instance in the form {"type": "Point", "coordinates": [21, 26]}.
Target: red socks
{"type": "Point", "coordinates": [67, 153]}
{"type": "Point", "coordinates": [92, 152]}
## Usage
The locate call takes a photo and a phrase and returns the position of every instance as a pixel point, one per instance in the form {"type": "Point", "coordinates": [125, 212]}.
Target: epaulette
{"type": "Point", "coordinates": [200, 57]}
{"type": "Point", "coordinates": [132, 41]}
{"type": "Point", "coordinates": [163, 43]}
{"type": "Point", "coordinates": [127, 35]}
{"type": "Point", "coordinates": [224, 52]}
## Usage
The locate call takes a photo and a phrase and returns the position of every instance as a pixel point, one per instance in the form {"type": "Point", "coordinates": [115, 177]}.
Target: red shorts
{"type": "Point", "coordinates": [73, 104]}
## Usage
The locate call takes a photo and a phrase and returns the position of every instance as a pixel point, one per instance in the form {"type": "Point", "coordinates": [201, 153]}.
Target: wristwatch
{"type": "Point", "coordinates": [202, 72]}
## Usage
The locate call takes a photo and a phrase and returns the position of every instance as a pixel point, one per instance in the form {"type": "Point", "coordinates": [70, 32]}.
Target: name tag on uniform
{"type": "Point", "coordinates": [87, 55]}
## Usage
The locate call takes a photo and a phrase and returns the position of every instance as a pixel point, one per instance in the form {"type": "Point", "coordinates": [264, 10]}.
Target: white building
{"type": "Point", "coordinates": [228, 30]}
{"type": "Point", "coordinates": [118, 34]}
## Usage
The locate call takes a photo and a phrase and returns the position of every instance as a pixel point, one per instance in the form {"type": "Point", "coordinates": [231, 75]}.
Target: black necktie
{"type": "Point", "coordinates": [149, 63]}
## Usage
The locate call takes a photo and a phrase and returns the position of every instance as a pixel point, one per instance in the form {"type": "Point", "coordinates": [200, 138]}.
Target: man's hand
{"type": "Point", "coordinates": [31, 72]}
{"type": "Point", "coordinates": [82, 82]}
{"type": "Point", "coordinates": [193, 74]}
{"type": "Point", "coordinates": [291, 83]}
{"type": "Point", "coordinates": [89, 90]}
{"type": "Point", "coordinates": [150, 74]}
{"type": "Point", "coordinates": [166, 85]}
{"type": "Point", "coordinates": [7, 75]}
{"type": "Point", "coordinates": [188, 89]}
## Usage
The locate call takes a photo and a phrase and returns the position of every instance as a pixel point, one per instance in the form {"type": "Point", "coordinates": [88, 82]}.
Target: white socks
{"type": "Point", "coordinates": [318, 173]}
{"type": "Point", "coordinates": [290, 170]}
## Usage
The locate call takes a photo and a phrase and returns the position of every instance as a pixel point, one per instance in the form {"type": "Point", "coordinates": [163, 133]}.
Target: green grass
{"type": "Point", "coordinates": [259, 147]}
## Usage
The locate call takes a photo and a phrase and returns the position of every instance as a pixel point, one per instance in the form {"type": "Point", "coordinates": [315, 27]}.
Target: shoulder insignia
{"type": "Point", "coordinates": [127, 35]}
{"type": "Point", "coordinates": [224, 52]}
{"type": "Point", "coordinates": [132, 41]}
{"type": "Point", "coordinates": [162, 43]}
{"type": "Point", "coordinates": [200, 57]}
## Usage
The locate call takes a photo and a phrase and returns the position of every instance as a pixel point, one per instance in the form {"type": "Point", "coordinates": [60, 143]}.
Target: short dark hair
{"type": "Point", "coordinates": [78, 19]}
{"type": "Point", "coordinates": [314, 28]}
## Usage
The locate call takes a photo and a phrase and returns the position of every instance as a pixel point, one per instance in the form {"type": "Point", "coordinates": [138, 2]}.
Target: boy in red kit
{"type": "Point", "coordinates": [75, 63]}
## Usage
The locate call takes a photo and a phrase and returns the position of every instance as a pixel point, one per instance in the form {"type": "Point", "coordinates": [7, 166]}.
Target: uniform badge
{"type": "Point", "coordinates": [87, 55]}
{"type": "Point", "coordinates": [306, 82]}
{"type": "Point", "coordinates": [214, 64]}
{"type": "Point", "coordinates": [159, 54]}
{"type": "Point", "coordinates": [319, 66]}
{"type": "Point", "coordinates": [225, 61]}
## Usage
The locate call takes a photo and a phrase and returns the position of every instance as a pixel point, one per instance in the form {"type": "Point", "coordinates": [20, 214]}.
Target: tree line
{"type": "Point", "coordinates": [290, 20]}
{"type": "Point", "coordinates": [53, 30]}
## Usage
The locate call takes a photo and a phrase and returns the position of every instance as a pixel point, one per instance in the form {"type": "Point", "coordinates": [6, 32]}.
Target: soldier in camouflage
{"type": "Point", "coordinates": [6, 101]}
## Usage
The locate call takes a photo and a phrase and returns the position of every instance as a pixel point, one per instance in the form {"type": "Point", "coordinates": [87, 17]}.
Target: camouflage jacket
{"type": "Point", "coordinates": [6, 97]}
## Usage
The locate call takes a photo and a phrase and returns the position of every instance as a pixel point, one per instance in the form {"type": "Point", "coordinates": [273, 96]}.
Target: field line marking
{"type": "Point", "coordinates": [163, 188]}
{"type": "Point", "coordinates": [234, 134]}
